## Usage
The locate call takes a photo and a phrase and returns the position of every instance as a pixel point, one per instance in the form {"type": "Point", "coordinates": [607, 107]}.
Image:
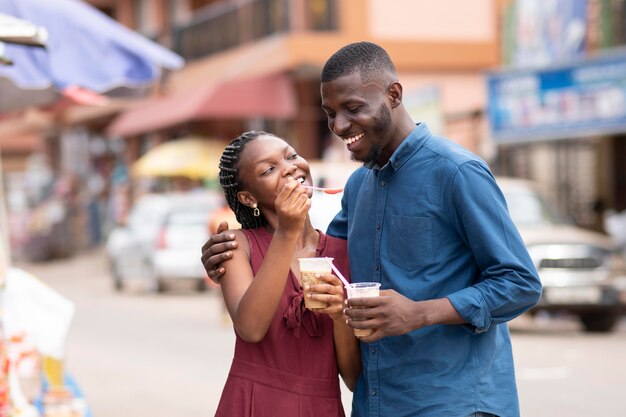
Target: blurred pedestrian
{"type": "Point", "coordinates": [287, 358]}
{"type": "Point", "coordinates": [426, 219]}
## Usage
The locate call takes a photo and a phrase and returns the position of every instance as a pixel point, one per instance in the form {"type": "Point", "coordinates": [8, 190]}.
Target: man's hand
{"type": "Point", "coordinates": [217, 250]}
{"type": "Point", "coordinates": [392, 314]}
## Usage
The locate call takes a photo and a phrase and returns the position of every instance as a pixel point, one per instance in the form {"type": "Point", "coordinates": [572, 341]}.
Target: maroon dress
{"type": "Point", "coordinates": [292, 372]}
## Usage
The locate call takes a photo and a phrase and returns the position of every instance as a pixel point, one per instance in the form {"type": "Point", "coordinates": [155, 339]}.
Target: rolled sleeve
{"type": "Point", "coordinates": [471, 305]}
{"type": "Point", "coordinates": [508, 283]}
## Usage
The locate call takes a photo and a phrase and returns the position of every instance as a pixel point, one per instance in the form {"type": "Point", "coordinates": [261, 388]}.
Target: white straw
{"type": "Point", "coordinates": [339, 274]}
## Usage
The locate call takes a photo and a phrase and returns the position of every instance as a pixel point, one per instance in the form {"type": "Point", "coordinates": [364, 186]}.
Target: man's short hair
{"type": "Point", "coordinates": [369, 59]}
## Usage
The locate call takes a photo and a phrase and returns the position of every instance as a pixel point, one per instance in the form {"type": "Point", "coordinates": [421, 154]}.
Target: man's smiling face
{"type": "Point", "coordinates": [358, 112]}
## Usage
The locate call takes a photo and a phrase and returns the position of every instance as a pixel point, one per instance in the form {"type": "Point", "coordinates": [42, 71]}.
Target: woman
{"type": "Point", "coordinates": [286, 357]}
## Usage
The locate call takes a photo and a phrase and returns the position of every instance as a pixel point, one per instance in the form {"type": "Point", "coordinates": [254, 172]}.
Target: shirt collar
{"type": "Point", "coordinates": [411, 144]}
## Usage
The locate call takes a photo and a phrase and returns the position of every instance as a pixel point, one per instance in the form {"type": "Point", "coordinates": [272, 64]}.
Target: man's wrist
{"type": "Point", "coordinates": [439, 311]}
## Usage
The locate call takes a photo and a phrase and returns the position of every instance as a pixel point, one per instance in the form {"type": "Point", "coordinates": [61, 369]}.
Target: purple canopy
{"type": "Point", "coordinates": [85, 48]}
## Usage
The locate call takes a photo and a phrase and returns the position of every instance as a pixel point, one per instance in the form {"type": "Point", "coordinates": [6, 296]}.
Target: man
{"type": "Point", "coordinates": [425, 218]}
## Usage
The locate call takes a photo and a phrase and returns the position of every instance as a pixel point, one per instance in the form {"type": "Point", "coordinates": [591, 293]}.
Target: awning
{"type": "Point", "coordinates": [22, 143]}
{"type": "Point", "coordinates": [271, 96]}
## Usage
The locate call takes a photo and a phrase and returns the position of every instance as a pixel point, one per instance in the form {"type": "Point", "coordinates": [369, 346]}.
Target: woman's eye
{"type": "Point", "coordinates": [267, 171]}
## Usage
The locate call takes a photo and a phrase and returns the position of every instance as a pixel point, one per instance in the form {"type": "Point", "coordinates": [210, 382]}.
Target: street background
{"type": "Point", "coordinates": [146, 355]}
{"type": "Point", "coordinates": [106, 141]}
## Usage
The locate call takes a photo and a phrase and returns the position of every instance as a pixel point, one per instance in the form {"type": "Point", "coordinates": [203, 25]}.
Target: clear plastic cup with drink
{"type": "Point", "coordinates": [309, 267]}
{"type": "Point", "coordinates": [363, 290]}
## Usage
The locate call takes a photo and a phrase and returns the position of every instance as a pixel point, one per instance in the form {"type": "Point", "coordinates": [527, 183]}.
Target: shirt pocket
{"type": "Point", "coordinates": [413, 241]}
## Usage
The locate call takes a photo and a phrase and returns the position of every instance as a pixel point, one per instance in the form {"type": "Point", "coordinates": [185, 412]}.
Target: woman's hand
{"type": "Point", "coordinates": [330, 292]}
{"type": "Point", "coordinates": [292, 205]}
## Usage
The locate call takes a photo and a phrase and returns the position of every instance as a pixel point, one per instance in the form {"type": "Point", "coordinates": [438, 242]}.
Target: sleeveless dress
{"type": "Point", "coordinates": [293, 371]}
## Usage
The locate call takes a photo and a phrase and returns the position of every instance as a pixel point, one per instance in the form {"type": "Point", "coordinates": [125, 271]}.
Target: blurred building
{"type": "Point", "coordinates": [557, 109]}
{"type": "Point", "coordinates": [256, 64]}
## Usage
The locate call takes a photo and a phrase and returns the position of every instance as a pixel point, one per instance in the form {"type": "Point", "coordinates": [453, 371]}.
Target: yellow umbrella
{"type": "Point", "coordinates": [191, 157]}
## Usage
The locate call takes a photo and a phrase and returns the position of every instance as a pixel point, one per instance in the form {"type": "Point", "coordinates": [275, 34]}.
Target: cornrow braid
{"type": "Point", "coordinates": [231, 184]}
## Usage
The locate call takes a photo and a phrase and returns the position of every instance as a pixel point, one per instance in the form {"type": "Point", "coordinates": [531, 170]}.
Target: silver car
{"type": "Point", "coordinates": [582, 272]}
{"type": "Point", "coordinates": [161, 240]}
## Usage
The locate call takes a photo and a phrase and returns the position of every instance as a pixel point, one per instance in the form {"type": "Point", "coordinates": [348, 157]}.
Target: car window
{"type": "Point", "coordinates": [188, 218]}
{"type": "Point", "coordinates": [147, 214]}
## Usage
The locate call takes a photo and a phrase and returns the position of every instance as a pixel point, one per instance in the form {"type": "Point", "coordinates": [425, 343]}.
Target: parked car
{"type": "Point", "coordinates": [162, 239]}
{"type": "Point", "coordinates": [583, 272]}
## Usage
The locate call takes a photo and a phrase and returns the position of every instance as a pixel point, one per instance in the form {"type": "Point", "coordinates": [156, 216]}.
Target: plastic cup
{"type": "Point", "coordinates": [363, 290]}
{"type": "Point", "coordinates": [308, 268]}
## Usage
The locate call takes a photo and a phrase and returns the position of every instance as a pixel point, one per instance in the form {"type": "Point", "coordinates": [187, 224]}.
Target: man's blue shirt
{"type": "Point", "coordinates": [432, 223]}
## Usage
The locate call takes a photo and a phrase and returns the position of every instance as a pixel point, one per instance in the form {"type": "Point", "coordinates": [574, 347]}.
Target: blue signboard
{"type": "Point", "coordinates": [581, 99]}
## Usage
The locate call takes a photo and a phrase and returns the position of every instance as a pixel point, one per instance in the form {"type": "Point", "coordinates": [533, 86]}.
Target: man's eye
{"type": "Point", "coordinates": [293, 156]}
{"type": "Point", "coordinates": [354, 109]}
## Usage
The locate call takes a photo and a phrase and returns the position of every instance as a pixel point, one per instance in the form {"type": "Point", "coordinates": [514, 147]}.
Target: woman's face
{"type": "Point", "coordinates": [265, 165]}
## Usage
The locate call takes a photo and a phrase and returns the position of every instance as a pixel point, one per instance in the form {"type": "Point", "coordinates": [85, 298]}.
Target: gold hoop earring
{"type": "Point", "coordinates": [255, 211]}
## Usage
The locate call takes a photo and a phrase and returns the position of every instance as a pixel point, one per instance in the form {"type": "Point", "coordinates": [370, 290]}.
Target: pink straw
{"type": "Point", "coordinates": [339, 274]}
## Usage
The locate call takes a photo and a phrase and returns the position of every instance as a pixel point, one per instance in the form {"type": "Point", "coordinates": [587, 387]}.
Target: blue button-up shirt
{"type": "Point", "coordinates": [432, 223]}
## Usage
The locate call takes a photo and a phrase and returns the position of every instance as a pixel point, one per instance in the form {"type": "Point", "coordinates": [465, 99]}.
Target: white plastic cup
{"type": "Point", "coordinates": [308, 268]}
{"type": "Point", "coordinates": [363, 290]}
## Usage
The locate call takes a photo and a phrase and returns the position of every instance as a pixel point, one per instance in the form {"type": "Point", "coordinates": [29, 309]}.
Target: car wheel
{"type": "Point", "coordinates": [599, 322]}
{"type": "Point", "coordinates": [118, 282]}
{"type": "Point", "coordinates": [201, 286]}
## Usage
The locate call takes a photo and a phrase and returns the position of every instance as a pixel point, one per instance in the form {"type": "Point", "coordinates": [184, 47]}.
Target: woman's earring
{"type": "Point", "coordinates": [255, 211]}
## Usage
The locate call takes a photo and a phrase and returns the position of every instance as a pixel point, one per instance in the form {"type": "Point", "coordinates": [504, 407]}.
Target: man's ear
{"type": "Point", "coordinates": [246, 198]}
{"type": "Point", "coordinates": [395, 94]}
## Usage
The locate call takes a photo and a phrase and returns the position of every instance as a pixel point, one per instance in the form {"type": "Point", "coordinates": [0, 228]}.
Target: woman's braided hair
{"type": "Point", "coordinates": [231, 183]}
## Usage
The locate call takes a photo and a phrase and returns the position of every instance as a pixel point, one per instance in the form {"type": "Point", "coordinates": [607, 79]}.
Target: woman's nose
{"type": "Point", "coordinates": [289, 169]}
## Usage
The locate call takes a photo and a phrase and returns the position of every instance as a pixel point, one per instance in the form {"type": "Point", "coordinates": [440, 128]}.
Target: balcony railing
{"type": "Point", "coordinates": [226, 25]}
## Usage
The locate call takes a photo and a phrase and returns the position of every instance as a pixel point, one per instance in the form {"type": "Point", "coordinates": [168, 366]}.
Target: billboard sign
{"type": "Point", "coordinates": [582, 99]}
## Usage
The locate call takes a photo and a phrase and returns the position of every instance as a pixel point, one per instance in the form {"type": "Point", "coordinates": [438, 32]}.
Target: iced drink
{"type": "Point", "coordinates": [363, 290]}
{"type": "Point", "coordinates": [308, 268]}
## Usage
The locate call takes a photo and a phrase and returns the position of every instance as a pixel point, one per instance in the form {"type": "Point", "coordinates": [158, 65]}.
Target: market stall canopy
{"type": "Point", "coordinates": [85, 49]}
{"type": "Point", "coordinates": [269, 96]}
{"type": "Point", "coordinates": [196, 158]}
{"type": "Point", "coordinates": [21, 32]}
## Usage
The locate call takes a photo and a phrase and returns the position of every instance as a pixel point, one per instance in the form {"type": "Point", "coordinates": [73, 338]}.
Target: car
{"type": "Point", "coordinates": [162, 239]}
{"type": "Point", "coordinates": [583, 273]}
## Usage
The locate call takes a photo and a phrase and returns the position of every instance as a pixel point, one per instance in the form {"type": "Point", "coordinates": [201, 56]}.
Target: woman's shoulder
{"type": "Point", "coordinates": [332, 244]}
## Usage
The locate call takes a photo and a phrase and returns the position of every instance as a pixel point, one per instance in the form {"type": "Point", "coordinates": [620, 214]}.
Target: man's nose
{"type": "Point", "coordinates": [340, 125]}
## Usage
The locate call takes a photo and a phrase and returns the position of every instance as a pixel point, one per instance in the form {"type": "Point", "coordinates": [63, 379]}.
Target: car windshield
{"type": "Point", "coordinates": [188, 218]}
{"type": "Point", "coordinates": [528, 209]}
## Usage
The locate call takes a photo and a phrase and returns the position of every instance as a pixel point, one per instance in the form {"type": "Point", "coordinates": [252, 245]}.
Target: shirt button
{"type": "Point", "coordinates": [378, 227]}
{"type": "Point", "coordinates": [377, 267]}
{"type": "Point", "coordinates": [382, 183]}
{"type": "Point", "coordinates": [373, 350]}
{"type": "Point", "coordinates": [373, 393]}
